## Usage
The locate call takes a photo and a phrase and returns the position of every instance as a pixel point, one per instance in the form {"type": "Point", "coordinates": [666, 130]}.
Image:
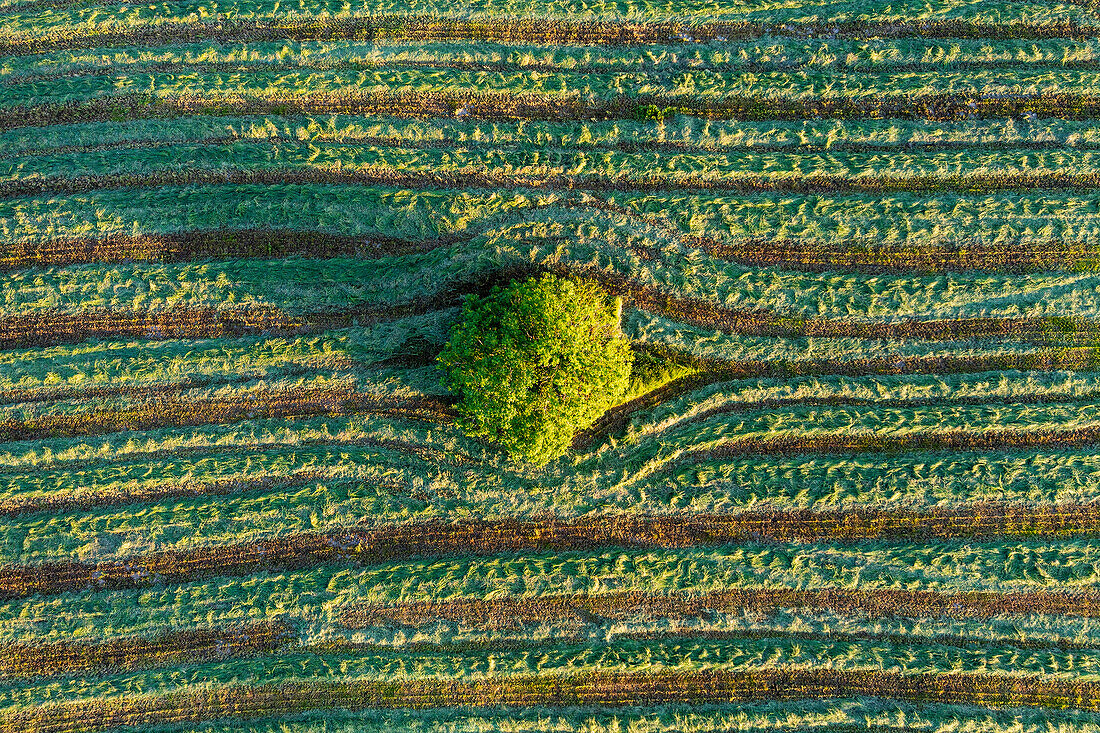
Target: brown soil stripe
{"type": "Point", "coordinates": [378, 176]}
{"type": "Point", "coordinates": [179, 411]}
{"type": "Point", "coordinates": [655, 687]}
{"type": "Point", "coordinates": [1015, 257]}
{"type": "Point", "coordinates": [505, 106]}
{"type": "Point", "coordinates": [514, 613]}
{"type": "Point", "coordinates": [530, 30]}
{"type": "Point", "coordinates": [195, 646]}
{"type": "Point", "coordinates": [428, 539]}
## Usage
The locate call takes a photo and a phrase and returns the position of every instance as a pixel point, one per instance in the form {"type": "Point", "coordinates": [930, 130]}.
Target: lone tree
{"type": "Point", "coordinates": [535, 362]}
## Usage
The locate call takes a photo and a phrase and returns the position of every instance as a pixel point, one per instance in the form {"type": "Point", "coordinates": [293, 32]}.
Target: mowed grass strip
{"type": "Point", "coordinates": [502, 106]}
{"type": "Point", "coordinates": [182, 411]}
{"type": "Point", "coordinates": [476, 537]}
{"type": "Point", "coordinates": [748, 183]}
{"type": "Point", "coordinates": [192, 646]}
{"type": "Point", "coordinates": [619, 689]}
{"type": "Point", "coordinates": [524, 30]}
{"type": "Point", "coordinates": [516, 612]}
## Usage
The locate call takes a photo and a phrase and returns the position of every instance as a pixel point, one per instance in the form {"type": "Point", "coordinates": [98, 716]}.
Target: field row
{"type": "Point", "coordinates": [594, 688]}
{"type": "Point", "coordinates": [443, 91]}
{"type": "Point", "coordinates": [112, 103]}
{"type": "Point", "coordinates": [305, 482]}
{"type": "Point", "coordinates": [511, 49]}
{"type": "Point", "coordinates": [675, 650]}
{"type": "Point", "coordinates": [512, 613]}
{"type": "Point", "coordinates": [59, 13]}
{"type": "Point", "coordinates": [382, 214]}
{"type": "Point", "coordinates": [226, 298]}
{"type": "Point", "coordinates": [686, 135]}
{"type": "Point", "coordinates": [308, 163]}
{"type": "Point", "coordinates": [55, 31]}
{"type": "Point", "coordinates": [321, 396]}
{"type": "Point", "coordinates": [433, 538]}
{"type": "Point", "coordinates": [831, 716]}
{"type": "Point", "coordinates": [315, 597]}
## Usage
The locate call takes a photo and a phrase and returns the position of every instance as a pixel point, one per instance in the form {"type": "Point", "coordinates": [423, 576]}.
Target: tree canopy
{"type": "Point", "coordinates": [536, 361]}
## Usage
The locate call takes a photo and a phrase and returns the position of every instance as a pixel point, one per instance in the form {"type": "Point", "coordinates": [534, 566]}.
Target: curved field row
{"type": "Point", "coordinates": [493, 537]}
{"type": "Point", "coordinates": [537, 30]}
{"type": "Point", "coordinates": [510, 613]}
{"type": "Point", "coordinates": [53, 326]}
{"type": "Point", "coordinates": [619, 417]}
{"type": "Point", "coordinates": [605, 689]}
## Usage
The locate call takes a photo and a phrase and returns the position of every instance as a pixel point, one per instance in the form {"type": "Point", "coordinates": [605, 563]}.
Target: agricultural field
{"type": "Point", "coordinates": [854, 481]}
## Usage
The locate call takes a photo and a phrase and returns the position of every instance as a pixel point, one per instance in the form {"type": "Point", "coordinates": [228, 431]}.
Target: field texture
{"type": "Point", "coordinates": [855, 485]}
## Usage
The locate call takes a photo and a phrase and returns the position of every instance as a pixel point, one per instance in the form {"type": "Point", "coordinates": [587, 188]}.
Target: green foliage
{"type": "Point", "coordinates": [535, 362]}
{"type": "Point", "coordinates": [653, 113]}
